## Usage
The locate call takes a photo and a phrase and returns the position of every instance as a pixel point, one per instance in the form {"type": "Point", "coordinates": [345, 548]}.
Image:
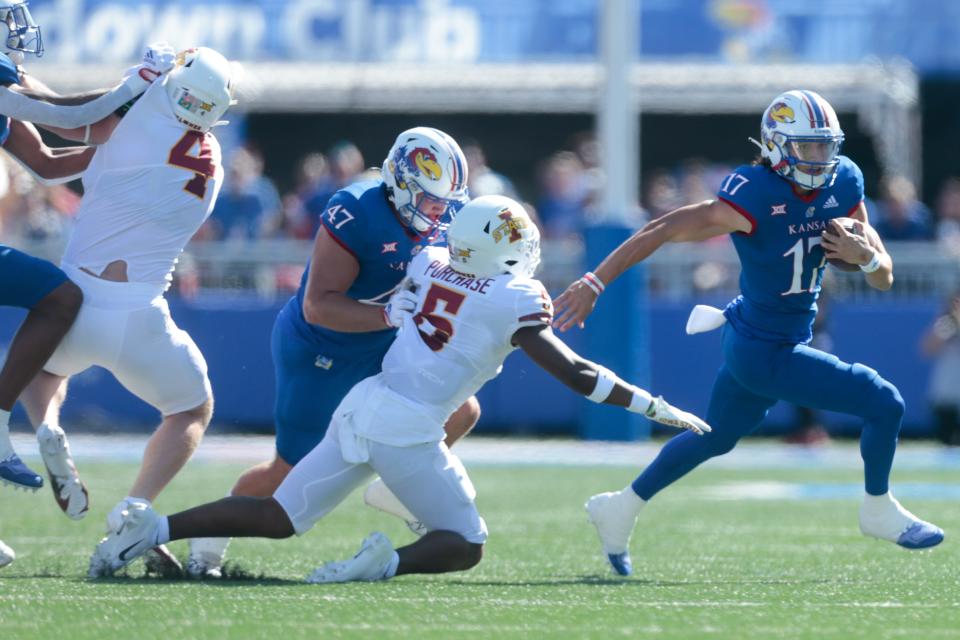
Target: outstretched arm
{"type": "Point", "coordinates": [691, 223]}
{"type": "Point", "coordinates": [598, 383]}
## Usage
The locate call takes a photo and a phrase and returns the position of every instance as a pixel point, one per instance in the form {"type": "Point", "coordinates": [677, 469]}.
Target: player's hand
{"type": "Point", "coordinates": [158, 58]}
{"type": "Point", "coordinates": [839, 242]}
{"type": "Point", "coordinates": [663, 412]}
{"type": "Point", "coordinates": [573, 306]}
{"type": "Point", "coordinates": [401, 304]}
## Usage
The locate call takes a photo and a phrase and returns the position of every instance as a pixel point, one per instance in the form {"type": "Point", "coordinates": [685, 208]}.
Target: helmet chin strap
{"type": "Point", "coordinates": [759, 146]}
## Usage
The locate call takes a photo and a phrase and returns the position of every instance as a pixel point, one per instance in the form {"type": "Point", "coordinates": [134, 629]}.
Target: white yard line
{"type": "Point", "coordinates": [483, 450]}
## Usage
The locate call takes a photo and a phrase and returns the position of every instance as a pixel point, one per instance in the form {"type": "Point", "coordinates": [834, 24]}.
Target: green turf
{"type": "Point", "coordinates": [704, 569]}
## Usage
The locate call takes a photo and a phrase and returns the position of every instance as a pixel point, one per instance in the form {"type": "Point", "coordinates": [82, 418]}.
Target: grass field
{"type": "Point", "coordinates": [706, 567]}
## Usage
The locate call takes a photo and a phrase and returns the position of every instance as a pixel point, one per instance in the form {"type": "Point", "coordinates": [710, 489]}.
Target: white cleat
{"type": "Point", "coordinates": [206, 558]}
{"type": "Point", "coordinates": [7, 556]}
{"type": "Point", "coordinates": [379, 496]}
{"type": "Point", "coordinates": [614, 518]}
{"type": "Point", "coordinates": [885, 518]}
{"type": "Point", "coordinates": [136, 535]}
{"type": "Point", "coordinates": [204, 568]}
{"type": "Point", "coordinates": [370, 564]}
{"type": "Point", "coordinates": [68, 489]}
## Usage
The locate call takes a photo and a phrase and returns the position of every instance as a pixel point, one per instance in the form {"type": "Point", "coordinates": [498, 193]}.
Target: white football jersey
{"type": "Point", "coordinates": [457, 340]}
{"type": "Point", "coordinates": [146, 192]}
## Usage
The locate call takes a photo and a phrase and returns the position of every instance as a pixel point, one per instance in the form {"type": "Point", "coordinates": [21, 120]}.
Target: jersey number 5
{"type": "Point", "coordinates": [436, 326]}
{"type": "Point", "coordinates": [201, 164]}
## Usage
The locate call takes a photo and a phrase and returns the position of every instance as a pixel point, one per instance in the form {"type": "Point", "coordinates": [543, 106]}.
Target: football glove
{"type": "Point", "coordinates": [401, 304]}
{"type": "Point", "coordinates": [663, 412]}
{"type": "Point", "coordinates": [158, 58]}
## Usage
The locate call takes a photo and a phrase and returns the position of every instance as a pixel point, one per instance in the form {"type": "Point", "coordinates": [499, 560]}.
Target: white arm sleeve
{"type": "Point", "coordinates": [20, 107]}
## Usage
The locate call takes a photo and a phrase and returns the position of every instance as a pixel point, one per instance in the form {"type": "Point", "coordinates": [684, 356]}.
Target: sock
{"type": "Point", "coordinates": [6, 447]}
{"type": "Point", "coordinates": [132, 499]}
{"type": "Point", "coordinates": [631, 501]}
{"type": "Point", "coordinates": [392, 567]}
{"type": "Point", "coordinates": [163, 531]}
{"type": "Point", "coordinates": [882, 516]}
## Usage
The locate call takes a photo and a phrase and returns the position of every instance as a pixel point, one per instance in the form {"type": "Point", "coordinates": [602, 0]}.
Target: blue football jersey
{"type": "Point", "coordinates": [362, 221]}
{"type": "Point", "coordinates": [781, 259]}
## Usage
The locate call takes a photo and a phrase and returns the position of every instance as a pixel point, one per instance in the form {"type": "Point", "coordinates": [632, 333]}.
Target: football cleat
{"type": "Point", "coordinates": [68, 489]}
{"type": "Point", "coordinates": [206, 557]}
{"type": "Point", "coordinates": [888, 520]}
{"type": "Point", "coordinates": [379, 496]}
{"type": "Point", "coordinates": [15, 473]}
{"type": "Point", "coordinates": [7, 556]}
{"type": "Point", "coordinates": [614, 523]}
{"type": "Point", "coordinates": [204, 568]}
{"type": "Point", "coordinates": [136, 535]}
{"type": "Point", "coordinates": [161, 562]}
{"type": "Point", "coordinates": [370, 564]}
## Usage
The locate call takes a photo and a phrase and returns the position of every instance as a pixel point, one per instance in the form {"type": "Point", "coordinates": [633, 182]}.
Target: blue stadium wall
{"type": "Point", "coordinates": [523, 399]}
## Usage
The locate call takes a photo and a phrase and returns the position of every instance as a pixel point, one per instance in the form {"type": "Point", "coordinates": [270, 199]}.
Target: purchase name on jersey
{"type": "Point", "coordinates": [445, 273]}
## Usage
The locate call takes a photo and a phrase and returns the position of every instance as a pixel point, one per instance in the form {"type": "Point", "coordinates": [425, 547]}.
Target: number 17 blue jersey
{"type": "Point", "coordinates": [781, 258]}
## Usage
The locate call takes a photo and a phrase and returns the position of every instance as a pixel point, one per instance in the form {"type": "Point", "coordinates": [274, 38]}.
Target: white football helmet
{"type": "Point", "coordinates": [23, 34]}
{"type": "Point", "coordinates": [801, 137]}
{"type": "Point", "coordinates": [200, 89]}
{"type": "Point", "coordinates": [492, 235]}
{"type": "Point", "coordinates": [426, 177]}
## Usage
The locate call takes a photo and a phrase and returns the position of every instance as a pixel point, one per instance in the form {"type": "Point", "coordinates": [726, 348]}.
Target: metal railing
{"type": "Point", "coordinates": [268, 269]}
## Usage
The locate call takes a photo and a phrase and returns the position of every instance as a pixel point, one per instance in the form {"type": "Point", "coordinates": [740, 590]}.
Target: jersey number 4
{"type": "Point", "coordinates": [435, 325]}
{"type": "Point", "coordinates": [201, 164]}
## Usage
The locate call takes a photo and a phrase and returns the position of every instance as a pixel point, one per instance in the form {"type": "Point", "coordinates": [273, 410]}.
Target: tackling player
{"type": "Point", "coordinates": [151, 183]}
{"type": "Point", "coordinates": [780, 214]}
{"type": "Point", "coordinates": [475, 304]}
{"type": "Point", "coordinates": [333, 332]}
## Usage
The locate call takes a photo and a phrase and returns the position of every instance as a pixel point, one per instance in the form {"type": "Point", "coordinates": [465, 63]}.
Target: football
{"type": "Point", "coordinates": [853, 226]}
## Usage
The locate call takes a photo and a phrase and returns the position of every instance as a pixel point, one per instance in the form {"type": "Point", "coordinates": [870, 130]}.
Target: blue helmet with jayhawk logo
{"type": "Point", "coordinates": [801, 136]}
{"type": "Point", "coordinates": [426, 177]}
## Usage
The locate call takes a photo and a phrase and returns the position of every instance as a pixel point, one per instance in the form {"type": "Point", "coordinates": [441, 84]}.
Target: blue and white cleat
{"type": "Point", "coordinates": [15, 473]}
{"type": "Point", "coordinates": [614, 517]}
{"type": "Point", "coordinates": [885, 518]}
{"type": "Point", "coordinates": [921, 535]}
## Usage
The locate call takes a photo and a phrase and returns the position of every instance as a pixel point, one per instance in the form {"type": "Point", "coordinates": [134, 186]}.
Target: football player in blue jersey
{"type": "Point", "coordinates": [27, 282]}
{"type": "Point", "coordinates": [335, 331]}
{"type": "Point", "coordinates": [780, 212]}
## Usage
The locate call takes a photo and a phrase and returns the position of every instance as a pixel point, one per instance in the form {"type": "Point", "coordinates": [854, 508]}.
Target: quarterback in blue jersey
{"type": "Point", "coordinates": [781, 213]}
{"type": "Point", "coordinates": [27, 282]}
{"type": "Point", "coordinates": [335, 331]}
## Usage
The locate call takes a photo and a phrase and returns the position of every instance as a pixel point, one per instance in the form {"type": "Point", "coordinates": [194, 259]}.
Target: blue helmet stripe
{"type": "Point", "coordinates": [817, 112]}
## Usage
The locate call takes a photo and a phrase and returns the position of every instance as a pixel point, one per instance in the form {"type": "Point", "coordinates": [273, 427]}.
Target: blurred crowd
{"type": "Point", "coordinates": [563, 198]}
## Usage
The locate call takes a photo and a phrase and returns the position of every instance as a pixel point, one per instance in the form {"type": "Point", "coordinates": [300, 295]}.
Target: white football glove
{"type": "Point", "coordinates": [663, 412]}
{"type": "Point", "coordinates": [158, 58]}
{"type": "Point", "coordinates": [401, 305]}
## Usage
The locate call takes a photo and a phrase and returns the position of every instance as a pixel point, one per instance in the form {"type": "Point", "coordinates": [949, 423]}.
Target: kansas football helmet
{"type": "Point", "coordinates": [200, 88]}
{"type": "Point", "coordinates": [23, 34]}
{"type": "Point", "coordinates": [426, 177]}
{"type": "Point", "coordinates": [492, 235]}
{"type": "Point", "coordinates": [800, 135]}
